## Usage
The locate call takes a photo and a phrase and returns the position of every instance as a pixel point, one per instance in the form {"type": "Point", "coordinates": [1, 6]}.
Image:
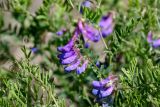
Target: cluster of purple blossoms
{"type": "Point", "coordinates": [93, 34]}
{"type": "Point", "coordinates": [72, 59]}
{"type": "Point", "coordinates": [70, 55]}
{"type": "Point", "coordinates": [154, 43]}
{"type": "Point", "coordinates": [104, 87]}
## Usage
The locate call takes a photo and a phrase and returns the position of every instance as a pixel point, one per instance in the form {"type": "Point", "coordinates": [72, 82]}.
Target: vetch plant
{"type": "Point", "coordinates": [71, 55]}
{"type": "Point", "coordinates": [104, 87]}
{"type": "Point", "coordinates": [72, 58]}
{"type": "Point", "coordinates": [122, 70]}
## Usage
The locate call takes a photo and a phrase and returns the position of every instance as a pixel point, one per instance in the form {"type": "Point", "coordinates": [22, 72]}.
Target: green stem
{"type": "Point", "coordinates": [13, 93]}
{"type": "Point", "coordinates": [103, 40]}
{"type": "Point", "coordinates": [70, 1]}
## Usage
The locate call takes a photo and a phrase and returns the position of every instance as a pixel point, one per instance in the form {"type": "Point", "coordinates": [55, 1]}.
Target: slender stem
{"type": "Point", "coordinates": [103, 40]}
{"type": "Point", "coordinates": [71, 3]}
{"type": "Point", "coordinates": [17, 97]}
{"type": "Point", "coordinates": [92, 62]}
{"type": "Point", "coordinates": [45, 88]}
{"type": "Point", "coordinates": [99, 3]}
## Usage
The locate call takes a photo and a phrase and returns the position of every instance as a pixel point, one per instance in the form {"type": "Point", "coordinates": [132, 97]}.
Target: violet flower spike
{"type": "Point", "coordinates": [70, 55]}
{"type": "Point", "coordinates": [105, 87]}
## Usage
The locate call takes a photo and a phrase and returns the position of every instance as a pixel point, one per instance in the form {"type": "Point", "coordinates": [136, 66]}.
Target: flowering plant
{"type": "Point", "coordinates": [79, 53]}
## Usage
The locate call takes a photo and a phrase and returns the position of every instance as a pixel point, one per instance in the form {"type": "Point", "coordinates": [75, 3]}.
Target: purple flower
{"type": "Point", "coordinates": [106, 25]}
{"type": "Point", "coordinates": [93, 34]}
{"type": "Point", "coordinates": [85, 3]}
{"type": "Point", "coordinates": [102, 94]}
{"type": "Point", "coordinates": [86, 45]}
{"type": "Point", "coordinates": [154, 43]}
{"type": "Point", "coordinates": [104, 87]}
{"type": "Point", "coordinates": [66, 55]}
{"type": "Point", "coordinates": [67, 47]}
{"type": "Point", "coordinates": [69, 59]}
{"type": "Point", "coordinates": [106, 32]}
{"type": "Point", "coordinates": [89, 31]}
{"type": "Point", "coordinates": [61, 32]}
{"type": "Point", "coordinates": [98, 64]}
{"type": "Point", "coordinates": [34, 49]}
{"type": "Point", "coordinates": [70, 55]}
{"type": "Point", "coordinates": [82, 68]}
{"type": "Point", "coordinates": [106, 21]}
{"type": "Point", "coordinates": [72, 66]}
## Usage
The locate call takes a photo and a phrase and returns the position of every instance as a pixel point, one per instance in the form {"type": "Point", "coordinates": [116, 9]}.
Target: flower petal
{"type": "Point", "coordinates": [67, 47]}
{"type": "Point", "coordinates": [69, 59]}
{"type": "Point", "coordinates": [100, 84]}
{"type": "Point", "coordinates": [60, 33]}
{"type": "Point", "coordinates": [96, 84]}
{"type": "Point", "coordinates": [95, 91]}
{"type": "Point", "coordinates": [86, 3]}
{"type": "Point", "coordinates": [82, 68]}
{"type": "Point", "coordinates": [106, 32]}
{"type": "Point", "coordinates": [86, 45]}
{"type": "Point", "coordinates": [106, 92]}
{"type": "Point", "coordinates": [98, 64]}
{"type": "Point", "coordinates": [106, 21]}
{"type": "Point", "coordinates": [156, 43]}
{"type": "Point", "coordinates": [72, 66]}
{"type": "Point", "coordinates": [66, 55]}
{"type": "Point", "coordinates": [34, 49]}
{"type": "Point", "coordinates": [91, 33]}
